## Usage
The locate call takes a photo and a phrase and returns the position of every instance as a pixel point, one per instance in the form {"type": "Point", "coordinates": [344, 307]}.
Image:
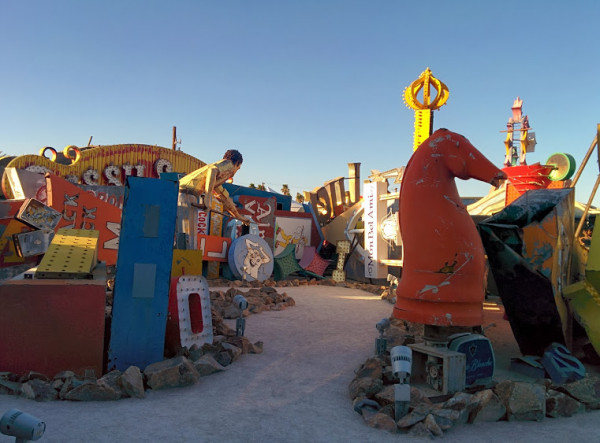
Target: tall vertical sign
{"type": "Point", "coordinates": [215, 228]}
{"type": "Point", "coordinates": [375, 245]}
{"type": "Point", "coordinates": [141, 295]}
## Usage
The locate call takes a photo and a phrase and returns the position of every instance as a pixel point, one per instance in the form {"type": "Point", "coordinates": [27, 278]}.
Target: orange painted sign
{"type": "Point", "coordinates": [81, 210]}
{"type": "Point", "coordinates": [214, 248]}
{"type": "Point", "coordinates": [106, 165]}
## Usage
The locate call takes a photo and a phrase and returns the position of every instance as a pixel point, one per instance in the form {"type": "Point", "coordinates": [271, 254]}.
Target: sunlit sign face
{"type": "Point", "coordinates": [107, 165]}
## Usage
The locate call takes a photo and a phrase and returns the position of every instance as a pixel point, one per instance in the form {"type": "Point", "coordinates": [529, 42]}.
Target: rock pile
{"type": "Point", "coordinates": [181, 370]}
{"type": "Point", "coordinates": [372, 394]}
{"type": "Point", "coordinates": [291, 282]}
{"type": "Point", "coordinates": [261, 299]}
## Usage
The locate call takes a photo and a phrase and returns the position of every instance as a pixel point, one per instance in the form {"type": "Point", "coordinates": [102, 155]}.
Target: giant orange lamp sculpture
{"type": "Point", "coordinates": [443, 277]}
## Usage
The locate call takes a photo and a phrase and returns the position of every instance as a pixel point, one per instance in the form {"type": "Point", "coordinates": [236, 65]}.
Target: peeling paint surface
{"type": "Point", "coordinates": [444, 262]}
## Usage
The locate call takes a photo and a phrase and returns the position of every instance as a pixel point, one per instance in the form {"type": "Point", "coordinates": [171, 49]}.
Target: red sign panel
{"type": "Point", "coordinates": [81, 210]}
{"type": "Point", "coordinates": [262, 211]}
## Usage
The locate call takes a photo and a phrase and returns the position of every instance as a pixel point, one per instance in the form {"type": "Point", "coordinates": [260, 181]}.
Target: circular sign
{"type": "Point", "coordinates": [564, 166]}
{"type": "Point", "coordinates": [250, 258]}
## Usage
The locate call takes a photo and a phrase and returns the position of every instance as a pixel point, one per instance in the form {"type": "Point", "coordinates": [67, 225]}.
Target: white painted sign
{"type": "Point", "coordinates": [375, 246]}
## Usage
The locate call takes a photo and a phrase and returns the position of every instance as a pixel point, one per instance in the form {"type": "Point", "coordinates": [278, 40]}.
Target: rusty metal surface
{"type": "Point", "coordinates": [38, 215]}
{"type": "Point", "coordinates": [33, 243]}
{"type": "Point", "coordinates": [528, 246]}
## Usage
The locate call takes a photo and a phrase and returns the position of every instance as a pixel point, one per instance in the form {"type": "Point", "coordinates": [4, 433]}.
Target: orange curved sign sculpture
{"type": "Point", "coordinates": [443, 277]}
{"type": "Point", "coordinates": [105, 165]}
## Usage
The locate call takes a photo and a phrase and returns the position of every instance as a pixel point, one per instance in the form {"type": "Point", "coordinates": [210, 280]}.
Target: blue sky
{"type": "Point", "coordinates": [301, 88]}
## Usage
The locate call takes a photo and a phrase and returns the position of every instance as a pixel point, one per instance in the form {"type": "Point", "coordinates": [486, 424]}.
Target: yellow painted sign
{"type": "Point", "coordinates": [105, 165]}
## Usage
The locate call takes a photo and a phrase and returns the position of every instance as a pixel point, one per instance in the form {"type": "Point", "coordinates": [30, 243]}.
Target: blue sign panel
{"type": "Point", "coordinates": [141, 293]}
{"type": "Point", "coordinates": [284, 202]}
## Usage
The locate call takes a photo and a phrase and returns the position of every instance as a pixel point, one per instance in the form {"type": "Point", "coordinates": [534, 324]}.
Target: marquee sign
{"type": "Point", "coordinates": [105, 165]}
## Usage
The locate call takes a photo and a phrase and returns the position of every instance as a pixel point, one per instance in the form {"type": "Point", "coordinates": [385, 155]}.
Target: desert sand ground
{"type": "Point", "coordinates": [295, 391]}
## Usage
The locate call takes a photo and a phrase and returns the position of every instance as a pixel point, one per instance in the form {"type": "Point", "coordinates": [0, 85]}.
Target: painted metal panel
{"type": "Point", "coordinates": [214, 248]}
{"type": "Point", "coordinates": [528, 246]}
{"type": "Point", "coordinates": [33, 243]}
{"type": "Point", "coordinates": [186, 262]}
{"type": "Point", "coordinates": [112, 195]}
{"type": "Point", "coordinates": [190, 319]}
{"type": "Point", "coordinates": [296, 228]}
{"type": "Point", "coordinates": [8, 252]}
{"type": "Point", "coordinates": [262, 211]}
{"type": "Point", "coordinates": [38, 215]}
{"type": "Point", "coordinates": [284, 202]}
{"type": "Point", "coordinates": [52, 325]}
{"type": "Point", "coordinates": [250, 258]}
{"type": "Point", "coordinates": [138, 322]}
{"type": "Point", "coordinates": [73, 253]}
{"type": "Point", "coordinates": [11, 263]}
{"type": "Point", "coordinates": [26, 184]}
{"type": "Point", "coordinates": [82, 210]}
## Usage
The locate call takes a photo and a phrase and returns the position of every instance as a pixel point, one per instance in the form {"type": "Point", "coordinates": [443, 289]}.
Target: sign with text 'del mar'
{"type": "Point", "coordinates": [141, 294]}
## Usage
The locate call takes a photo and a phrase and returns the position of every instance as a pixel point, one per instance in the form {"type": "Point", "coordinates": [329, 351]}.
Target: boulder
{"type": "Point", "coordinates": [112, 380]}
{"type": "Point", "coordinates": [365, 386]}
{"type": "Point", "coordinates": [92, 391]}
{"type": "Point", "coordinates": [420, 430]}
{"type": "Point", "coordinates": [64, 375]}
{"type": "Point", "coordinates": [39, 390]}
{"type": "Point", "coordinates": [444, 422]}
{"type": "Point", "coordinates": [255, 348]}
{"type": "Point", "coordinates": [372, 368]}
{"type": "Point", "coordinates": [195, 352]}
{"type": "Point", "coordinates": [224, 358]}
{"type": "Point", "coordinates": [10, 387]}
{"type": "Point", "coordinates": [523, 401]}
{"type": "Point", "coordinates": [385, 396]}
{"type": "Point", "coordinates": [488, 407]}
{"type": "Point", "coordinates": [241, 342]}
{"type": "Point", "coordinates": [379, 420]}
{"type": "Point", "coordinates": [233, 350]}
{"type": "Point", "coordinates": [559, 404]}
{"type": "Point", "coordinates": [207, 365]}
{"type": "Point", "coordinates": [173, 373]}
{"type": "Point", "coordinates": [415, 416]}
{"type": "Point", "coordinates": [463, 403]}
{"type": "Point", "coordinates": [586, 391]}
{"type": "Point", "coordinates": [363, 404]}
{"type": "Point", "coordinates": [432, 426]}
{"type": "Point", "coordinates": [33, 375]}
{"type": "Point", "coordinates": [132, 382]}
{"type": "Point", "coordinates": [418, 397]}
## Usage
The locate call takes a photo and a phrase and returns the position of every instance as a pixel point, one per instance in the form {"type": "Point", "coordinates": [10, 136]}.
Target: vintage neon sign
{"type": "Point", "coordinates": [331, 199]}
{"type": "Point", "coordinates": [104, 165]}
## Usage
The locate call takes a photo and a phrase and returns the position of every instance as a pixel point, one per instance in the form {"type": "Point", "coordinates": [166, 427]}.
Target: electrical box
{"type": "Point", "coordinates": [444, 370]}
